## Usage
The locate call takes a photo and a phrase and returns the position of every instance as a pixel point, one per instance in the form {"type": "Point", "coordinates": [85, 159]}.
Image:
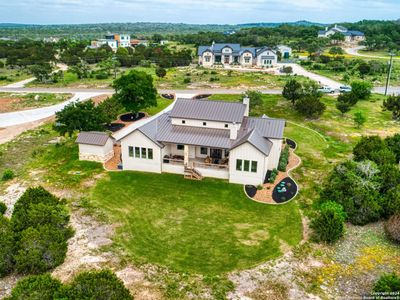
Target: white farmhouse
{"type": "Point", "coordinates": [349, 35]}
{"type": "Point", "coordinates": [202, 138]}
{"type": "Point", "coordinates": [234, 54]}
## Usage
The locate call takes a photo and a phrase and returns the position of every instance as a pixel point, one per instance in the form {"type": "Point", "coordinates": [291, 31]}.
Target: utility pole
{"type": "Point", "coordinates": [389, 73]}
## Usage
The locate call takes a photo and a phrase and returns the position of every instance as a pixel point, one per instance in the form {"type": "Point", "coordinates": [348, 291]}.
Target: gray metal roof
{"type": "Point", "coordinates": [253, 137]}
{"type": "Point", "coordinates": [267, 127]}
{"type": "Point", "coordinates": [209, 110]}
{"type": "Point", "coordinates": [92, 138]}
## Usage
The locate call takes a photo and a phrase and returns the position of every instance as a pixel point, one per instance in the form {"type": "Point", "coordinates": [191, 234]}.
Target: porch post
{"type": "Point", "coordinates": [186, 155]}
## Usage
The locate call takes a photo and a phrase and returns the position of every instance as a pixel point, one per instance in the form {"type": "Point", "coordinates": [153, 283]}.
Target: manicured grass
{"type": "Point", "coordinates": [27, 101]}
{"type": "Point", "coordinates": [208, 227]}
{"type": "Point", "coordinates": [161, 104]}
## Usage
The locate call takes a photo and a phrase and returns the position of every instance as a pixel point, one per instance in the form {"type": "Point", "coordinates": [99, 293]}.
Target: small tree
{"type": "Point", "coordinates": [42, 72]}
{"type": "Point", "coordinates": [81, 69]}
{"type": "Point", "coordinates": [343, 107]}
{"type": "Point", "coordinates": [36, 287]}
{"type": "Point", "coordinates": [387, 283]}
{"type": "Point", "coordinates": [361, 89]}
{"type": "Point", "coordinates": [292, 90]}
{"type": "Point", "coordinates": [359, 119]}
{"type": "Point", "coordinates": [328, 225]}
{"type": "Point", "coordinates": [135, 91]}
{"type": "Point", "coordinates": [79, 116]}
{"type": "Point", "coordinates": [110, 109]}
{"type": "Point", "coordinates": [161, 72]}
{"type": "Point", "coordinates": [392, 103]}
{"type": "Point", "coordinates": [255, 98]}
{"type": "Point", "coordinates": [310, 106]}
{"type": "Point", "coordinates": [337, 37]}
{"type": "Point", "coordinates": [349, 98]}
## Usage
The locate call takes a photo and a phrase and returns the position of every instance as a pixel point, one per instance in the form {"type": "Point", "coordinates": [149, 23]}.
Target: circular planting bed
{"type": "Point", "coordinates": [168, 96]}
{"type": "Point", "coordinates": [285, 190]}
{"type": "Point", "coordinates": [203, 96]}
{"type": "Point", "coordinates": [114, 126]}
{"type": "Point", "coordinates": [251, 190]}
{"type": "Point", "coordinates": [131, 117]}
{"type": "Point", "coordinates": [292, 144]}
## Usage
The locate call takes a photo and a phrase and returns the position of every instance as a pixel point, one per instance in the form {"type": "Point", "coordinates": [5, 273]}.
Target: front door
{"type": "Point", "coordinates": [226, 59]}
{"type": "Point", "coordinates": [216, 153]}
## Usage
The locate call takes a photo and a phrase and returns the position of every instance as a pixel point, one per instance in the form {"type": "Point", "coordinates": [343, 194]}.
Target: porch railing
{"type": "Point", "coordinates": [197, 164]}
{"type": "Point", "coordinates": [173, 161]}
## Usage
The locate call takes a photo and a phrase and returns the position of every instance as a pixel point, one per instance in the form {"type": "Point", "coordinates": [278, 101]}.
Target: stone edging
{"type": "Point", "coordinates": [288, 173]}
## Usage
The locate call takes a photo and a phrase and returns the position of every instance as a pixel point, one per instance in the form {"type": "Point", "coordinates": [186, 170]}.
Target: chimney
{"type": "Point", "coordinates": [233, 131]}
{"type": "Point", "coordinates": [246, 101]}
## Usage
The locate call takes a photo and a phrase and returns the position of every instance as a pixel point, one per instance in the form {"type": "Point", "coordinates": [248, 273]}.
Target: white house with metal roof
{"type": "Point", "coordinates": [235, 54]}
{"type": "Point", "coordinates": [202, 138]}
{"type": "Point", "coordinates": [349, 35]}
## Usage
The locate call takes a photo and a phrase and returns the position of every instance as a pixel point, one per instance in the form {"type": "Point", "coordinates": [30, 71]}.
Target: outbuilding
{"type": "Point", "coordinates": [95, 146]}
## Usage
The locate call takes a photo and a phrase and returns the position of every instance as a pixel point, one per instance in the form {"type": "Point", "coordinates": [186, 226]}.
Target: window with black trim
{"type": "Point", "coordinates": [180, 147]}
{"type": "Point", "coordinates": [203, 150]}
{"type": "Point", "coordinates": [150, 153]}
{"type": "Point", "coordinates": [253, 166]}
{"type": "Point", "coordinates": [226, 125]}
{"type": "Point", "coordinates": [137, 152]}
{"type": "Point", "coordinates": [239, 164]}
{"type": "Point", "coordinates": [144, 152]}
{"type": "Point", "coordinates": [130, 150]}
{"type": "Point", "coordinates": [183, 122]}
{"type": "Point", "coordinates": [246, 166]}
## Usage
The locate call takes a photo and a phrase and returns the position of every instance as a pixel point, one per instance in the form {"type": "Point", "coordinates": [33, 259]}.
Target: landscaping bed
{"type": "Point", "coordinates": [251, 190]}
{"type": "Point", "coordinates": [131, 117]}
{"type": "Point", "coordinates": [284, 190]}
{"type": "Point", "coordinates": [114, 127]}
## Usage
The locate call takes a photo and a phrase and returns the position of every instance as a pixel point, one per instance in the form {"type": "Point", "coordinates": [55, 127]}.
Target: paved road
{"type": "Point", "coordinates": [354, 51]}
{"type": "Point", "coordinates": [32, 115]}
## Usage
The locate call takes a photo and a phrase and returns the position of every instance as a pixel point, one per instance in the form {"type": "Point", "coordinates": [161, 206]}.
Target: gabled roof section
{"type": "Point", "coordinates": [260, 50]}
{"type": "Point", "coordinates": [253, 137]}
{"type": "Point", "coordinates": [220, 111]}
{"type": "Point", "coordinates": [94, 138]}
{"type": "Point", "coordinates": [267, 127]}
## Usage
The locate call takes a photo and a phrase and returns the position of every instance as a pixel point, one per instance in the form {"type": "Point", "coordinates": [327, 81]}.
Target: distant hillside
{"type": "Point", "coordinates": [297, 23]}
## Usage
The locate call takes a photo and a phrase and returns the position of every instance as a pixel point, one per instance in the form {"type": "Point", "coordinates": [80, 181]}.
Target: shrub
{"type": "Point", "coordinates": [102, 285]}
{"type": "Point", "coordinates": [367, 145]}
{"type": "Point", "coordinates": [6, 246]}
{"type": "Point", "coordinates": [310, 106]}
{"type": "Point", "coordinates": [359, 119]}
{"type": "Point", "coordinates": [328, 225]}
{"type": "Point", "coordinates": [361, 89]}
{"type": "Point", "coordinates": [40, 249]}
{"type": "Point", "coordinates": [392, 228]}
{"type": "Point", "coordinates": [273, 175]}
{"type": "Point", "coordinates": [387, 283]}
{"type": "Point", "coordinates": [284, 159]}
{"type": "Point", "coordinates": [287, 70]}
{"type": "Point", "coordinates": [212, 79]}
{"type": "Point", "coordinates": [355, 185]}
{"type": "Point", "coordinates": [36, 287]}
{"type": "Point", "coordinates": [392, 103]}
{"type": "Point", "coordinates": [187, 80]}
{"type": "Point", "coordinates": [161, 72]}
{"type": "Point", "coordinates": [343, 107]}
{"type": "Point", "coordinates": [101, 75]}
{"type": "Point", "coordinates": [213, 72]}
{"type": "Point", "coordinates": [7, 175]}
{"type": "Point", "coordinates": [3, 208]}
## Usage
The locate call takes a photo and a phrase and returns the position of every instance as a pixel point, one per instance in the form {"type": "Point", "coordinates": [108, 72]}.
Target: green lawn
{"type": "Point", "coordinates": [207, 227]}
{"type": "Point", "coordinates": [161, 104]}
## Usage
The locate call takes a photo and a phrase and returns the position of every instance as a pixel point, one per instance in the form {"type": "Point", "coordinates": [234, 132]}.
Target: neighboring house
{"type": "Point", "coordinates": [228, 54]}
{"type": "Point", "coordinates": [164, 42]}
{"type": "Point", "coordinates": [113, 40]}
{"type": "Point", "coordinates": [95, 146]}
{"type": "Point", "coordinates": [135, 43]}
{"type": "Point", "coordinates": [349, 35]}
{"type": "Point", "coordinates": [203, 138]}
{"type": "Point", "coordinates": [286, 51]}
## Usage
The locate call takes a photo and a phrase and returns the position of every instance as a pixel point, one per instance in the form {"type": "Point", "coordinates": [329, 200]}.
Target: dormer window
{"type": "Point", "coordinates": [183, 121]}
{"type": "Point", "coordinates": [204, 123]}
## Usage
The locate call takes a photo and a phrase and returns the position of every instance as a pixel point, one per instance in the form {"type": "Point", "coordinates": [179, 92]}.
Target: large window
{"type": "Point", "coordinates": [239, 164]}
{"type": "Point", "coordinates": [254, 166]}
{"type": "Point", "coordinates": [207, 58]}
{"type": "Point", "coordinates": [150, 153]}
{"type": "Point", "coordinates": [247, 60]}
{"type": "Point", "coordinates": [203, 150]}
{"type": "Point", "coordinates": [139, 152]}
{"type": "Point", "coordinates": [246, 165]}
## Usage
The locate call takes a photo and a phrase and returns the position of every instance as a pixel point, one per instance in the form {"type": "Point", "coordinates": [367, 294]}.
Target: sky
{"type": "Point", "coordinates": [195, 11]}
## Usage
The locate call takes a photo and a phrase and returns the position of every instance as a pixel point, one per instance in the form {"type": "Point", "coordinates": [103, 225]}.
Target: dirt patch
{"type": "Point", "coordinates": [99, 99]}
{"type": "Point", "coordinates": [12, 193]}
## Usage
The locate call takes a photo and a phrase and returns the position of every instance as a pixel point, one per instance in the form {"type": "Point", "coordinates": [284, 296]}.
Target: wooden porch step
{"type": "Point", "coordinates": [192, 173]}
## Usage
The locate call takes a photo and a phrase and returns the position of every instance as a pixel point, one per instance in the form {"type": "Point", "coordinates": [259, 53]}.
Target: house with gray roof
{"type": "Point", "coordinates": [203, 138]}
{"type": "Point", "coordinates": [235, 54]}
{"type": "Point", "coordinates": [349, 35]}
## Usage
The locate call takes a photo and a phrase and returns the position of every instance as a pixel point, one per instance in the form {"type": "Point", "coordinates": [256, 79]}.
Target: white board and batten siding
{"type": "Point", "coordinates": [274, 155]}
{"type": "Point", "coordinates": [138, 139]}
{"type": "Point", "coordinates": [247, 151]}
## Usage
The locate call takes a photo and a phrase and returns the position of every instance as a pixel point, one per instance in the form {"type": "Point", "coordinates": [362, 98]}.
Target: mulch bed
{"type": "Point", "coordinates": [168, 96]}
{"type": "Point", "coordinates": [114, 126]}
{"type": "Point", "coordinates": [130, 117]}
{"type": "Point", "coordinates": [202, 96]}
{"type": "Point", "coordinates": [251, 190]}
{"type": "Point", "coordinates": [287, 188]}
{"type": "Point", "coordinates": [292, 144]}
